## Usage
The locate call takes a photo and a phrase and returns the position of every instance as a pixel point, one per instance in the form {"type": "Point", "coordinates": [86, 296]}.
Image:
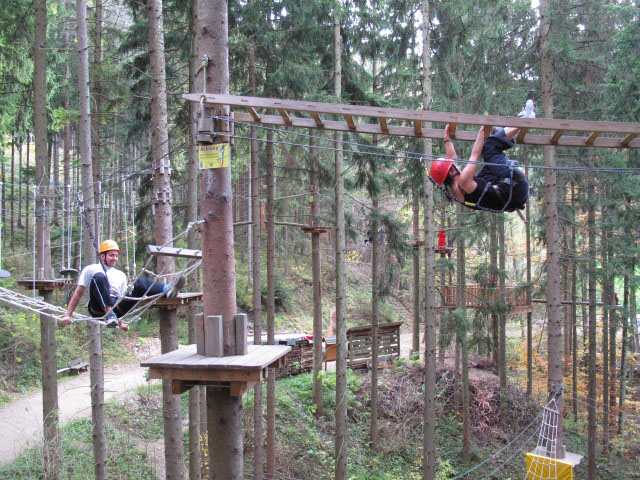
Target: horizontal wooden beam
{"type": "Point", "coordinates": [462, 135]}
{"type": "Point", "coordinates": [624, 129]}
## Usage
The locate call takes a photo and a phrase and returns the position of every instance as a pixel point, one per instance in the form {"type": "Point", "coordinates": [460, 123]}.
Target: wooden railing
{"type": "Point", "coordinates": [479, 295]}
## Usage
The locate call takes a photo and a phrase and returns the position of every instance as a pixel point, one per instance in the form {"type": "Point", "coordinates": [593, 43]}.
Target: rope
{"type": "Point", "coordinates": [30, 303]}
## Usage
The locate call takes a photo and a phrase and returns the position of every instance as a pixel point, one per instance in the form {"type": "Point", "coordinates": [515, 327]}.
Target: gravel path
{"type": "Point", "coordinates": [21, 420]}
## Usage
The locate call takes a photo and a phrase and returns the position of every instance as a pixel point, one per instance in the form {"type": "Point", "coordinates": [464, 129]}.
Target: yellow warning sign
{"type": "Point", "coordinates": [545, 467]}
{"type": "Point", "coordinates": [214, 156]}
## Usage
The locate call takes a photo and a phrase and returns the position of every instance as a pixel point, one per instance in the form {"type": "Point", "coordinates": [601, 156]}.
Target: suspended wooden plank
{"type": "Point", "coordinates": [627, 131]}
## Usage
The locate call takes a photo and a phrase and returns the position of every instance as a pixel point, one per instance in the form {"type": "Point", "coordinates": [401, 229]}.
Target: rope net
{"type": "Point", "coordinates": [542, 463]}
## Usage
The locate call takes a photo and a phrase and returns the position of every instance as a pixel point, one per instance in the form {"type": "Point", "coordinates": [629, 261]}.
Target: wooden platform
{"type": "Point", "coordinates": [315, 229]}
{"type": "Point", "coordinates": [185, 368]}
{"type": "Point", "coordinates": [44, 284]}
{"type": "Point", "coordinates": [172, 303]}
{"type": "Point", "coordinates": [479, 295]}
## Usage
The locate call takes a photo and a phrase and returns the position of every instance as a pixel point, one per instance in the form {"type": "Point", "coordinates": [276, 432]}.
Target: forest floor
{"type": "Point", "coordinates": [22, 418]}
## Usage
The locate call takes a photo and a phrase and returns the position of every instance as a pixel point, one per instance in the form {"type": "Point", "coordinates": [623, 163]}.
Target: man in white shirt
{"type": "Point", "coordinates": [107, 285]}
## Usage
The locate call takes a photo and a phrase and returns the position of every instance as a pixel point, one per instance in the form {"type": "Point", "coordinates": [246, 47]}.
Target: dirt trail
{"type": "Point", "coordinates": [21, 420]}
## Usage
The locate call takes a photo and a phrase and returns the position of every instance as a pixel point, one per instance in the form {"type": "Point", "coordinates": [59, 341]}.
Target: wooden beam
{"type": "Point", "coordinates": [521, 135]}
{"type": "Point", "coordinates": [462, 135]}
{"type": "Point", "coordinates": [556, 136]}
{"type": "Point", "coordinates": [173, 252]}
{"type": "Point", "coordinates": [592, 138]}
{"type": "Point", "coordinates": [350, 123]}
{"type": "Point", "coordinates": [254, 114]}
{"type": "Point", "coordinates": [180, 386]}
{"type": "Point", "coordinates": [452, 129]}
{"type": "Point", "coordinates": [383, 125]}
{"type": "Point", "coordinates": [316, 117]}
{"type": "Point", "coordinates": [285, 117]}
{"type": "Point", "coordinates": [628, 139]}
{"type": "Point", "coordinates": [417, 128]}
{"type": "Point", "coordinates": [423, 115]}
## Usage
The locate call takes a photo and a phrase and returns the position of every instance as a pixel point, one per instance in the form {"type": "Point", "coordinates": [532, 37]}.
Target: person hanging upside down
{"type": "Point", "coordinates": [107, 285]}
{"type": "Point", "coordinates": [500, 185]}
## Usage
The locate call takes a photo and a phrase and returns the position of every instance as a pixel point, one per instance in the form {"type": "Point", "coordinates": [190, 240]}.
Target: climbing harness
{"type": "Point", "coordinates": [476, 206]}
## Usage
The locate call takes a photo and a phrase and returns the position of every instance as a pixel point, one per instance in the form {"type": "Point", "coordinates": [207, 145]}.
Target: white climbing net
{"type": "Point", "coordinates": [543, 465]}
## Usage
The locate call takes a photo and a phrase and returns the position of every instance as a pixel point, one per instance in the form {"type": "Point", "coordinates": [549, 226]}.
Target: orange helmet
{"type": "Point", "coordinates": [109, 245]}
{"type": "Point", "coordinates": [440, 169]}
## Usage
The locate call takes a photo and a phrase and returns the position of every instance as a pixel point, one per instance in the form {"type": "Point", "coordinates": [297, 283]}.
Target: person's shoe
{"type": "Point", "coordinates": [124, 327]}
{"type": "Point", "coordinates": [527, 111]}
{"type": "Point", "coordinates": [174, 287]}
{"type": "Point", "coordinates": [111, 321]}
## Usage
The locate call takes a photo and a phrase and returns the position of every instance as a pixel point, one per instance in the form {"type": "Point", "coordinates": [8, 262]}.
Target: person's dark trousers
{"type": "Point", "coordinates": [493, 153]}
{"type": "Point", "coordinates": [142, 287]}
{"type": "Point", "coordinates": [99, 297]}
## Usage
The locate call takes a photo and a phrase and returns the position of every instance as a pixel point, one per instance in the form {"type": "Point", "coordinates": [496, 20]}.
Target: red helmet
{"type": "Point", "coordinates": [440, 169]}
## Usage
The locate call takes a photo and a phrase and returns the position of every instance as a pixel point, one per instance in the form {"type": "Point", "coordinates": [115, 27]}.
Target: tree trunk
{"type": "Point", "coordinates": [462, 338]}
{"type": "Point", "coordinates": [224, 412]}
{"type": "Point", "coordinates": [429, 415]}
{"type": "Point", "coordinates": [554, 305]}
{"type": "Point", "coordinates": [48, 354]}
{"type": "Point", "coordinates": [502, 368]}
{"type": "Point", "coordinates": [606, 301]}
{"type": "Point", "coordinates": [529, 314]}
{"type": "Point", "coordinates": [13, 181]}
{"type": "Point", "coordinates": [415, 337]}
{"type": "Point", "coordinates": [632, 313]}
{"type": "Point", "coordinates": [96, 142]}
{"type": "Point", "coordinates": [592, 386]}
{"type": "Point", "coordinates": [256, 282]}
{"type": "Point", "coordinates": [574, 320]}
{"type": "Point", "coordinates": [373, 427]}
{"type": "Point", "coordinates": [20, 183]}
{"type": "Point", "coordinates": [27, 204]}
{"type": "Point", "coordinates": [317, 286]}
{"type": "Point", "coordinates": [163, 232]}
{"type": "Point", "coordinates": [623, 353]}
{"type": "Point", "coordinates": [196, 402]}
{"type": "Point", "coordinates": [271, 306]}
{"type": "Point", "coordinates": [493, 281]}
{"type": "Point", "coordinates": [341, 434]}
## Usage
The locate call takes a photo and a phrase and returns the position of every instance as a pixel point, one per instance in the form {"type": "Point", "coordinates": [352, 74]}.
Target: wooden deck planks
{"type": "Point", "coordinates": [259, 357]}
